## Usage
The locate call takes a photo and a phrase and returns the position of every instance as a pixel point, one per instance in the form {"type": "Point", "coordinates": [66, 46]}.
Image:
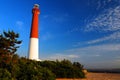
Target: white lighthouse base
{"type": "Point", "coordinates": [33, 49]}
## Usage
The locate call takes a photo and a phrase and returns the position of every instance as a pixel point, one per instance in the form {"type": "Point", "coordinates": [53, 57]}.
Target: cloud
{"type": "Point", "coordinates": [45, 16]}
{"type": "Point", "coordinates": [91, 56]}
{"type": "Point", "coordinates": [112, 37]}
{"type": "Point", "coordinates": [109, 20]}
{"type": "Point", "coordinates": [118, 60]}
{"type": "Point", "coordinates": [101, 4]}
{"type": "Point", "coordinates": [57, 17]}
{"type": "Point", "coordinates": [91, 52]}
{"type": "Point", "coordinates": [97, 49]}
{"type": "Point", "coordinates": [63, 56]}
{"type": "Point", "coordinates": [61, 17]}
{"type": "Point", "coordinates": [103, 65]}
{"type": "Point", "coordinates": [19, 23]}
{"type": "Point", "coordinates": [118, 57]}
{"type": "Point", "coordinates": [46, 36]}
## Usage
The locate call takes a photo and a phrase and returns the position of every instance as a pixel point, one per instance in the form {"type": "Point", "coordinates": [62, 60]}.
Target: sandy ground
{"type": "Point", "coordinates": [99, 76]}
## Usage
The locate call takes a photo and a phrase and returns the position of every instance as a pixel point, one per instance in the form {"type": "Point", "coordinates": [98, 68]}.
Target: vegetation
{"type": "Point", "coordinates": [13, 67]}
{"type": "Point", "coordinates": [8, 42]}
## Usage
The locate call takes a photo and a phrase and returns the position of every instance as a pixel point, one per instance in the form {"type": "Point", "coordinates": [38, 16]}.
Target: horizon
{"type": "Point", "coordinates": [86, 31]}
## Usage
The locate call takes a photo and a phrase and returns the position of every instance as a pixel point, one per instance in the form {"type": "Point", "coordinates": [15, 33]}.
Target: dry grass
{"type": "Point", "coordinates": [99, 76]}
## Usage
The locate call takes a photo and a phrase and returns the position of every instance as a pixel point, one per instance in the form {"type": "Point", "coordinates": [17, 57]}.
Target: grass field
{"type": "Point", "coordinates": [99, 76]}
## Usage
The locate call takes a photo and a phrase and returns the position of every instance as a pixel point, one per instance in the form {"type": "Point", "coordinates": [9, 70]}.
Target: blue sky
{"type": "Point", "coordinates": [87, 31]}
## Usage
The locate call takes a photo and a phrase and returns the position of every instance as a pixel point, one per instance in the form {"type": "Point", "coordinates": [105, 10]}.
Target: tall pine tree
{"type": "Point", "coordinates": [9, 42]}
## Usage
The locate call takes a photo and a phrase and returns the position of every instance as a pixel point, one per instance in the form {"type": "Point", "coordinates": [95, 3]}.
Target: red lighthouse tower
{"type": "Point", "coordinates": [33, 48]}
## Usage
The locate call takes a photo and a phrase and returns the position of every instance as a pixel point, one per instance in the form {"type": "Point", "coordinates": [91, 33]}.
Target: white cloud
{"type": "Point", "coordinates": [57, 17]}
{"type": "Point", "coordinates": [45, 16]}
{"type": "Point", "coordinates": [92, 56]}
{"type": "Point", "coordinates": [46, 36]}
{"type": "Point", "coordinates": [109, 20]}
{"type": "Point", "coordinates": [113, 37]}
{"type": "Point", "coordinates": [62, 56]}
{"type": "Point", "coordinates": [118, 57]}
{"type": "Point", "coordinates": [101, 4]}
{"type": "Point", "coordinates": [61, 17]}
{"type": "Point", "coordinates": [117, 60]}
{"type": "Point", "coordinates": [96, 49]}
{"type": "Point", "coordinates": [73, 56]}
{"type": "Point", "coordinates": [104, 64]}
{"type": "Point", "coordinates": [19, 23]}
{"type": "Point", "coordinates": [86, 52]}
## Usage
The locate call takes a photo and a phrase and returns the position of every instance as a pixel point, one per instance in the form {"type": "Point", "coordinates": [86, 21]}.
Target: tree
{"type": "Point", "coordinates": [78, 65]}
{"type": "Point", "coordinates": [9, 42]}
{"type": "Point", "coordinates": [47, 74]}
{"type": "Point", "coordinates": [5, 74]}
{"type": "Point", "coordinates": [64, 68]}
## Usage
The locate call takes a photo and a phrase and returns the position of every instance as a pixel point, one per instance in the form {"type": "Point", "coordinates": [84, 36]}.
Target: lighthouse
{"type": "Point", "coordinates": [34, 39]}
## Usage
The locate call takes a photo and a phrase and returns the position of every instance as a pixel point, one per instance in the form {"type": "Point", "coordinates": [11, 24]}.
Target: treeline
{"type": "Point", "coordinates": [13, 67]}
{"type": "Point", "coordinates": [104, 70]}
{"type": "Point", "coordinates": [24, 69]}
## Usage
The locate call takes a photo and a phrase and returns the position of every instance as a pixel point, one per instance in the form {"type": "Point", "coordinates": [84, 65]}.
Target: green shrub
{"type": "Point", "coordinates": [5, 74]}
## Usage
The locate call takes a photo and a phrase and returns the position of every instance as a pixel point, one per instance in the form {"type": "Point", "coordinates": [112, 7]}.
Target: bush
{"type": "Point", "coordinates": [64, 68]}
{"type": "Point", "coordinates": [5, 74]}
{"type": "Point", "coordinates": [47, 74]}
